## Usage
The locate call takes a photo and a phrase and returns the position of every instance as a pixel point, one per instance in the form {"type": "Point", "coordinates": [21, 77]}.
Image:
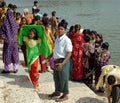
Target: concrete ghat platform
{"type": "Point", "coordinates": [79, 92]}
{"type": "Point", "coordinates": [16, 88]}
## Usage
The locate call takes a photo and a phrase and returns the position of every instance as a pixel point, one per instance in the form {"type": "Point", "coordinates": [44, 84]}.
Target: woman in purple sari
{"type": "Point", "coordinates": [8, 31]}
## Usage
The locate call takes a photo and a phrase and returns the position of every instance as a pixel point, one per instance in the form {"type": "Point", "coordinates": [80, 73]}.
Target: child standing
{"type": "Point", "coordinates": [35, 47]}
{"type": "Point", "coordinates": [105, 54]}
{"type": "Point", "coordinates": [32, 54]}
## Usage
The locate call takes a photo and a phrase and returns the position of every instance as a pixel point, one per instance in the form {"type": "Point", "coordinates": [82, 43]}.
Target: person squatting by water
{"type": "Point", "coordinates": [110, 76]}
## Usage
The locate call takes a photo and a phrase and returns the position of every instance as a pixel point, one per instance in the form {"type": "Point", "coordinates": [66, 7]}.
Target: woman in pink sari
{"type": "Point", "coordinates": [77, 53]}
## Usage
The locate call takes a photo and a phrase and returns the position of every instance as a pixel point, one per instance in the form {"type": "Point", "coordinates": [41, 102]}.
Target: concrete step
{"type": "Point", "coordinates": [79, 92]}
{"type": "Point", "coordinates": [17, 88]}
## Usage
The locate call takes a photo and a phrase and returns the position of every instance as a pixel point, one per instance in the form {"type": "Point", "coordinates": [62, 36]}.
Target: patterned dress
{"type": "Point", "coordinates": [77, 53]}
{"type": "Point", "coordinates": [104, 60]}
{"type": "Point", "coordinates": [32, 54]}
{"type": "Point", "coordinates": [8, 31]}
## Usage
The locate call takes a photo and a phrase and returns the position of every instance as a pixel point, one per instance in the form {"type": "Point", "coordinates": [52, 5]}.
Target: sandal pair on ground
{"type": "Point", "coordinates": [61, 98]}
{"type": "Point", "coordinates": [12, 71]}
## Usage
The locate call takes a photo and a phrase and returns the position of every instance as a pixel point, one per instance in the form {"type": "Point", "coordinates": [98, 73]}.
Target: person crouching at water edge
{"type": "Point", "coordinates": [61, 54]}
{"type": "Point", "coordinates": [110, 76]}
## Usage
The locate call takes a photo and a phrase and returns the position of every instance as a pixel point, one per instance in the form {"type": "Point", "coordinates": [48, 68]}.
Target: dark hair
{"type": "Point", "coordinates": [33, 21]}
{"type": "Point", "coordinates": [35, 2]}
{"type": "Point", "coordinates": [105, 45]}
{"type": "Point", "coordinates": [63, 23]}
{"type": "Point", "coordinates": [93, 32]}
{"type": "Point", "coordinates": [10, 6]}
{"type": "Point", "coordinates": [45, 21]}
{"type": "Point", "coordinates": [35, 32]}
{"type": "Point", "coordinates": [71, 28]}
{"type": "Point", "coordinates": [3, 3]}
{"type": "Point", "coordinates": [87, 38]}
{"type": "Point", "coordinates": [100, 36]}
{"type": "Point", "coordinates": [86, 31]}
{"type": "Point", "coordinates": [14, 6]}
{"type": "Point", "coordinates": [18, 14]}
{"type": "Point", "coordinates": [53, 13]}
{"type": "Point", "coordinates": [45, 14]}
{"type": "Point", "coordinates": [111, 80]}
{"type": "Point", "coordinates": [77, 27]}
{"type": "Point", "coordinates": [57, 17]}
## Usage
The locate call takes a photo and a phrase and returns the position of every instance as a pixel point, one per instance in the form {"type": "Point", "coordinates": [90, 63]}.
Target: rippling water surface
{"type": "Point", "coordinates": [100, 15]}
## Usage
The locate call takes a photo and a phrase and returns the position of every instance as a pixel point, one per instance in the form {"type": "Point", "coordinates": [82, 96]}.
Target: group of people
{"type": "Point", "coordinates": [45, 42]}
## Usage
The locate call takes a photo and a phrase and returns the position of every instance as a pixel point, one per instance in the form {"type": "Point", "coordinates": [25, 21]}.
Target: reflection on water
{"type": "Point", "coordinates": [100, 15]}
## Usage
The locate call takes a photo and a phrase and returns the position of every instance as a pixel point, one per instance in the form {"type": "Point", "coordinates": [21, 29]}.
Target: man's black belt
{"type": "Point", "coordinates": [59, 60]}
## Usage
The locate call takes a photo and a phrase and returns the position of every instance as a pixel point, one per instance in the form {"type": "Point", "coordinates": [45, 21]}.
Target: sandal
{"type": "Point", "coordinates": [15, 71]}
{"type": "Point", "coordinates": [5, 72]}
{"type": "Point", "coordinates": [54, 94]}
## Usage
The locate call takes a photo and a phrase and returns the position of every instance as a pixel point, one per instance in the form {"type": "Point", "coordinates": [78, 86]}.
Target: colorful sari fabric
{"type": "Point", "coordinates": [38, 49]}
{"type": "Point", "coordinates": [77, 53]}
{"type": "Point", "coordinates": [43, 63]}
{"type": "Point", "coordinates": [104, 57]}
{"type": "Point", "coordinates": [49, 38]}
{"type": "Point", "coordinates": [43, 46]}
{"type": "Point", "coordinates": [8, 31]}
{"type": "Point", "coordinates": [88, 63]}
{"type": "Point", "coordinates": [32, 51]}
{"type": "Point", "coordinates": [34, 74]}
{"type": "Point", "coordinates": [104, 60]}
{"type": "Point", "coordinates": [50, 43]}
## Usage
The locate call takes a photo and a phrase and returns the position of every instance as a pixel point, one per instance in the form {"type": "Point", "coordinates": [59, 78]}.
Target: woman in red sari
{"type": "Point", "coordinates": [77, 53]}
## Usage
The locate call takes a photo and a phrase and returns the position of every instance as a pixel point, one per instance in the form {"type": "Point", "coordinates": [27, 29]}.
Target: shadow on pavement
{"type": "Point", "coordinates": [89, 100]}
{"type": "Point", "coordinates": [16, 79]}
{"type": "Point", "coordinates": [45, 96]}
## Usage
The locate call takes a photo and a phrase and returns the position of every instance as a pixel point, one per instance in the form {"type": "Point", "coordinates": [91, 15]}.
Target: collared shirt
{"type": "Point", "coordinates": [62, 45]}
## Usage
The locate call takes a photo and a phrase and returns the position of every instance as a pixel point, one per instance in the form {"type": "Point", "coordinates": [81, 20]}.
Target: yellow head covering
{"type": "Point", "coordinates": [105, 71]}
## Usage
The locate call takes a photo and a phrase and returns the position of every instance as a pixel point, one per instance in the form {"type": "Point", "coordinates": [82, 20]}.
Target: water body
{"type": "Point", "coordinates": [100, 15]}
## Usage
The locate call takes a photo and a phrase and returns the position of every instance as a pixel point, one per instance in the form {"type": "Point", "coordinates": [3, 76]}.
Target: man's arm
{"type": "Point", "coordinates": [60, 65]}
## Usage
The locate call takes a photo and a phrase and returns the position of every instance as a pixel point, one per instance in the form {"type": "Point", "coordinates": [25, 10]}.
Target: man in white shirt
{"type": "Point", "coordinates": [61, 54]}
